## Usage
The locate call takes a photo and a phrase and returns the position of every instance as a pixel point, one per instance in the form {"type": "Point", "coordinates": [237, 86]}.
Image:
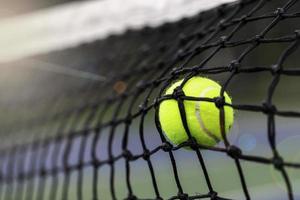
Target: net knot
{"type": "Point", "coordinates": [183, 196]}
{"type": "Point", "coordinates": [127, 154]}
{"type": "Point", "coordinates": [80, 165]}
{"type": "Point", "coordinates": [222, 24]}
{"type": "Point", "coordinates": [269, 108]}
{"type": "Point", "coordinates": [234, 66]}
{"type": "Point", "coordinates": [219, 101]}
{"type": "Point", "coordinates": [167, 147]}
{"type": "Point", "coordinates": [128, 119]}
{"type": "Point", "coordinates": [174, 71]}
{"type": "Point", "coordinates": [279, 12]}
{"type": "Point", "coordinates": [97, 130]}
{"type": "Point", "coordinates": [223, 40]}
{"type": "Point", "coordinates": [110, 161]}
{"type": "Point", "coordinates": [234, 152]}
{"type": "Point", "coordinates": [193, 143]}
{"type": "Point", "coordinates": [67, 169]}
{"type": "Point", "coordinates": [95, 163]}
{"type": "Point", "coordinates": [275, 69]}
{"type": "Point", "coordinates": [199, 48]}
{"type": "Point", "coordinates": [143, 106]}
{"type": "Point", "coordinates": [146, 154]}
{"type": "Point", "coordinates": [278, 162]}
{"type": "Point", "coordinates": [257, 39]}
{"type": "Point", "coordinates": [180, 54]}
{"type": "Point", "coordinates": [141, 84]}
{"type": "Point", "coordinates": [213, 195]}
{"type": "Point", "coordinates": [43, 172]}
{"type": "Point", "coordinates": [112, 123]}
{"type": "Point", "coordinates": [156, 101]}
{"type": "Point", "coordinates": [243, 18]}
{"type": "Point", "coordinates": [178, 93]}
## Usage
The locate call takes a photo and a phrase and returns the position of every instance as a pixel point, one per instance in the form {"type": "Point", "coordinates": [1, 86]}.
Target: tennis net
{"type": "Point", "coordinates": [79, 113]}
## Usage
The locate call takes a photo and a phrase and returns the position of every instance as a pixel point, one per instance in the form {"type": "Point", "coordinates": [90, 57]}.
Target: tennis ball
{"type": "Point", "coordinates": [202, 116]}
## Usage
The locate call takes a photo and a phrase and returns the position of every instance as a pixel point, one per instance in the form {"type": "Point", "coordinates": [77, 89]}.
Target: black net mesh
{"type": "Point", "coordinates": [68, 137]}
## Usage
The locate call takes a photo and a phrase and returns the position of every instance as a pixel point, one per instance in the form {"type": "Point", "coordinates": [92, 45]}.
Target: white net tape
{"type": "Point", "coordinates": [82, 22]}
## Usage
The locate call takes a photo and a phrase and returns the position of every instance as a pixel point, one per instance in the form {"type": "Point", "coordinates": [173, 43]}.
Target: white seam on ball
{"type": "Point", "coordinates": [198, 115]}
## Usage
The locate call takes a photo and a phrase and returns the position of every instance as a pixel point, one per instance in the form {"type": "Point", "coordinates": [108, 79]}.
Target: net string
{"type": "Point", "coordinates": [47, 118]}
{"type": "Point", "coordinates": [292, 72]}
{"type": "Point", "coordinates": [222, 122]}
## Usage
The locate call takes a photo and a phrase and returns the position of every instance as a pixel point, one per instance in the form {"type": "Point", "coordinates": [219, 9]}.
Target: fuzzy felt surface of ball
{"type": "Point", "coordinates": [202, 117]}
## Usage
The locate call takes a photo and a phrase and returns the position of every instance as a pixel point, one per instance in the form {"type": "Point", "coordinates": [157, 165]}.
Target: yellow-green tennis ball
{"type": "Point", "coordinates": [203, 117]}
